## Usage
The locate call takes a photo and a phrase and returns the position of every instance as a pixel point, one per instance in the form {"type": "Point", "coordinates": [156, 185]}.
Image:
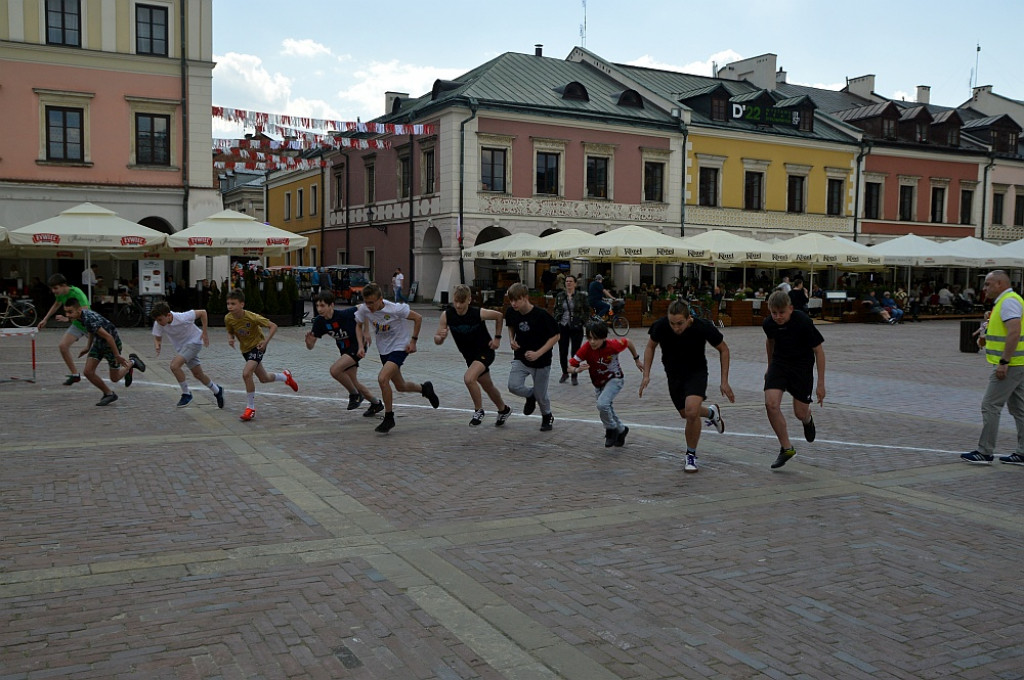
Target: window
{"type": "Point", "coordinates": [151, 30]}
{"type": "Point", "coordinates": [313, 262]}
{"type": "Point", "coordinates": [795, 194]}
{"type": "Point", "coordinates": [64, 134]}
{"type": "Point", "coordinates": [654, 181]}
{"type": "Point", "coordinates": [288, 205]}
{"type": "Point", "coordinates": [405, 177]}
{"type": "Point", "coordinates": [314, 200]}
{"type": "Point", "coordinates": [889, 128]}
{"type": "Point", "coordinates": [834, 201]}
{"type": "Point", "coordinates": [872, 200]}
{"type": "Point", "coordinates": [547, 173]}
{"type": "Point", "coordinates": [339, 195]}
{"type": "Point", "coordinates": [806, 122]}
{"type": "Point", "coordinates": [492, 169]}
{"type": "Point", "coordinates": [597, 177]}
{"type": "Point", "coordinates": [921, 132]}
{"type": "Point", "coordinates": [299, 196]}
{"type": "Point", "coordinates": [1018, 212]}
{"type": "Point", "coordinates": [953, 136]}
{"type": "Point", "coordinates": [998, 201]}
{"type": "Point", "coordinates": [966, 205]}
{"type": "Point", "coordinates": [371, 183]}
{"type": "Point", "coordinates": [938, 204]}
{"type": "Point", "coordinates": [63, 23]}
{"type": "Point", "coordinates": [906, 203]}
{"type": "Point", "coordinates": [708, 187]}
{"type": "Point", "coordinates": [753, 191]}
{"type": "Point", "coordinates": [428, 171]}
{"type": "Point", "coordinates": [152, 139]}
{"type": "Point", "coordinates": [719, 109]}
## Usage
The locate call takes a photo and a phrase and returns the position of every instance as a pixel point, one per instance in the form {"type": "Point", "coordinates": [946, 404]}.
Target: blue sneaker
{"type": "Point", "coordinates": [185, 400]}
{"type": "Point", "coordinates": [977, 458]}
{"type": "Point", "coordinates": [219, 396]}
{"type": "Point", "coordinates": [1012, 459]}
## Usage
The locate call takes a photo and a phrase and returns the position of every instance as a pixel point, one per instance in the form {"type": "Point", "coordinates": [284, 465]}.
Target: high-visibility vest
{"type": "Point", "coordinates": [995, 335]}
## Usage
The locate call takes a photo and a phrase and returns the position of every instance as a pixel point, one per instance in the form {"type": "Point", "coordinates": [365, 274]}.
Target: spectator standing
{"type": "Point", "coordinates": [572, 311]}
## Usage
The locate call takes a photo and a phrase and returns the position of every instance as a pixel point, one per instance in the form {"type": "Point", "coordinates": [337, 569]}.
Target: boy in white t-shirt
{"type": "Point", "coordinates": [395, 344]}
{"type": "Point", "coordinates": [187, 340]}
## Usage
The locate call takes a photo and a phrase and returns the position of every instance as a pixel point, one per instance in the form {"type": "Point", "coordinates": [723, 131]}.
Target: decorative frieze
{"type": "Point", "coordinates": [562, 208]}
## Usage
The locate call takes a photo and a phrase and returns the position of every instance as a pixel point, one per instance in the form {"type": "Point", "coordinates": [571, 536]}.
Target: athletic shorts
{"type": "Point", "coordinates": [692, 385]}
{"type": "Point", "coordinates": [397, 358]}
{"type": "Point", "coordinates": [100, 350]}
{"type": "Point", "coordinates": [355, 357]}
{"type": "Point", "coordinates": [190, 353]}
{"type": "Point", "coordinates": [74, 331]}
{"type": "Point", "coordinates": [255, 354]}
{"type": "Point", "coordinates": [799, 382]}
{"type": "Point", "coordinates": [484, 356]}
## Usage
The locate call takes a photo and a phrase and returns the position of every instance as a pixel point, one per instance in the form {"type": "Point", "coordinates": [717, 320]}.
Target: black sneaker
{"type": "Point", "coordinates": [185, 400]}
{"type": "Point", "coordinates": [977, 458]}
{"type": "Point", "coordinates": [387, 424]}
{"type": "Point", "coordinates": [354, 402]}
{"type": "Point", "coordinates": [503, 416]}
{"type": "Point", "coordinates": [1012, 459]}
{"type": "Point", "coordinates": [427, 390]}
{"type": "Point", "coordinates": [478, 417]}
{"type": "Point", "coordinates": [107, 399]}
{"type": "Point", "coordinates": [530, 406]}
{"type": "Point", "coordinates": [565, 377]}
{"type": "Point", "coordinates": [220, 396]}
{"type": "Point", "coordinates": [129, 377]}
{"type": "Point", "coordinates": [139, 364]}
{"type": "Point", "coordinates": [545, 422]}
{"type": "Point", "coordinates": [575, 378]}
{"type": "Point", "coordinates": [609, 438]}
{"type": "Point", "coordinates": [72, 379]}
{"type": "Point", "coordinates": [374, 409]}
{"type": "Point", "coordinates": [809, 431]}
{"type": "Point", "coordinates": [784, 456]}
{"type": "Point", "coordinates": [620, 438]}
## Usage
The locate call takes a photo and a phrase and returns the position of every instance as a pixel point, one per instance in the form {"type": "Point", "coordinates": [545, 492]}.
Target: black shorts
{"type": "Point", "coordinates": [683, 386]}
{"type": "Point", "coordinates": [484, 356]}
{"type": "Point", "coordinates": [355, 357]}
{"type": "Point", "coordinates": [255, 354]}
{"type": "Point", "coordinates": [797, 381]}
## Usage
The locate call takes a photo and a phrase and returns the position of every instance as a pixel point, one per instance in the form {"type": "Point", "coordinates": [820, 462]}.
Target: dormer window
{"type": "Point", "coordinates": [806, 120]}
{"type": "Point", "coordinates": [921, 132]}
{"type": "Point", "coordinates": [888, 128]}
{"type": "Point", "coordinates": [953, 137]}
{"type": "Point", "coordinates": [574, 91]}
{"type": "Point", "coordinates": [630, 98]}
{"type": "Point", "coordinates": [719, 109]}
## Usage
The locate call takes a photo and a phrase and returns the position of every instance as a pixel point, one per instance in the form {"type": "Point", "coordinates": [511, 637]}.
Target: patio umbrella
{"type": "Point", "coordinates": [729, 248]}
{"type": "Point", "coordinates": [505, 248]}
{"type": "Point", "coordinates": [229, 232]}
{"type": "Point", "coordinates": [560, 245]}
{"type": "Point", "coordinates": [85, 229]}
{"type": "Point", "coordinates": [633, 243]}
{"type": "Point", "coordinates": [985, 253]}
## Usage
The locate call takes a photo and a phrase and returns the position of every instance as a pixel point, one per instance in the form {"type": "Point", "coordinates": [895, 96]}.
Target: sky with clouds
{"type": "Point", "coordinates": [337, 59]}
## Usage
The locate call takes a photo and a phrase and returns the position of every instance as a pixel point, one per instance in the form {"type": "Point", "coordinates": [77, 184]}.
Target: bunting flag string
{"type": "Point", "coordinates": [307, 143]}
{"type": "Point", "coordinates": [267, 166]}
{"type": "Point", "coordinates": [262, 120]}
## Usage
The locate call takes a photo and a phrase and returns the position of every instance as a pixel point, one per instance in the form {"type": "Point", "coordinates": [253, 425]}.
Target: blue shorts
{"type": "Point", "coordinates": [397, 358]}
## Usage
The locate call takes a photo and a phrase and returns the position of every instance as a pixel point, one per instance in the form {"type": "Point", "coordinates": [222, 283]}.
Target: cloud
{"type": "Point", "coordinates": [700, 68]}
{"type": "Point", "coordinates": [241, 81]}
{"type": "Point", "coordinates": [303, 48]}
{"type": "Point", "coordinates": [366, 94]}
{"type": "Point", "coordinates": [903, 95]}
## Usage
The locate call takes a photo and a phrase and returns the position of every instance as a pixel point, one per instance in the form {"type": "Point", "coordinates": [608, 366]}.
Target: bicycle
{"type": "Point", "coordinates": [19, 313]}
{"type": "Point", "coordinates": [618, 324]}
{"type": "Point", "coordinates": [129, 314]}
{"type": "Point", "coordinates": [699, 311]}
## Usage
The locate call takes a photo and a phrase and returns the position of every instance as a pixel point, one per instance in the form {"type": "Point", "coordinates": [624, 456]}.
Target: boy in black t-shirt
{"type": "Point", "coordinates": [532, 333]}
{"type": "Point", "coordinates": [682, 339]}
{"type": "Point", "coordinates": [794, 348]}
{"type": "Point", "coordinates": [341, 325]}
{"type": "Point", "coordinates": [468, 326]}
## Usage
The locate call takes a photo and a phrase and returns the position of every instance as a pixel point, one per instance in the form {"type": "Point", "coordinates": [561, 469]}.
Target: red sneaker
{"type": "Point", "coordinates": [248, 414]}
{"type": "Point", "coordinates": [290, 381]}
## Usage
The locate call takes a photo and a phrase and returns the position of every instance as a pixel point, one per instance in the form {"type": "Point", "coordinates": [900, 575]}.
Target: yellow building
{"type": "Point", "coordinates": [295, 202]}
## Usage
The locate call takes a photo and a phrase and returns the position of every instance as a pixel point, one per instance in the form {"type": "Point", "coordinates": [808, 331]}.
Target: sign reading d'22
{"type": "Point", "coordinates": [755, 113]}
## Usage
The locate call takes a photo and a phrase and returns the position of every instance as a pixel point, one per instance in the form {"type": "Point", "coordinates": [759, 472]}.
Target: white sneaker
{"type": "Point", "coordinates": [715, 418]}
{"type": "Point", "coordinates": [691, 463]}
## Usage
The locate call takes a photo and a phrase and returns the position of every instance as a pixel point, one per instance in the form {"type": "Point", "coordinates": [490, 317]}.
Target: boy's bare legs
{"type": "Point", "coordinates": [390, 375]}
{"type": "Point", "coordinates": [692, 413]}
{"type": "Point", "coordinates": [346, 372]}
{"type": "Point", "coordinates": [773, 405]}
{"type": "Point", "coordinates": [65, 352]}
{"type": "Point", "coordinates": [90, 375]}
{"type": "Point", "coordinates": [493, 393]}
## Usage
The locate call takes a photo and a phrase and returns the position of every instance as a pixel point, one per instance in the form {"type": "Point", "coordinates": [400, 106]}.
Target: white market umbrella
{"type": "Point", "coordinates": [84, 229]}
{"type": "Point", "coordinates": [985, 253]}
{"type": "Point", "coordinates": [633, 243]}
{"type": "Point", "coordinates": [504, 248]}
{"type": "Point", "coordinates": [920, 251]}
{"type": "Point", "coordinates": [229, 232]}
{"type": "Point", "coordinates": [561, 244]}
{"type": "Point", "coordinates": [725, 247]}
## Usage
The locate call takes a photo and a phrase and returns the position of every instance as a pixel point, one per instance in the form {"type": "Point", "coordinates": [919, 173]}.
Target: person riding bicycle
{"type": "Point", "coordinates": [597, 294]}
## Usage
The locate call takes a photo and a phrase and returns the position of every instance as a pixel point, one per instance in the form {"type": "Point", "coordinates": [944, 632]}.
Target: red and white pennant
{"type": "Point", "coordinates": [262, 119]}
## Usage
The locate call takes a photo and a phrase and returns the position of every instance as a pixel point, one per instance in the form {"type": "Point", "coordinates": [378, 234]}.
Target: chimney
{"type": "Point", "coordinates": [924, 94]}
{"type": "Point", "coordinates": [538, 50]}
{"type": "Point", "coordinates": [390, 98]}
{"type": "Point", "coordinates": [780, 77]}
{"type": "Point", "coordinates": [862, 86]}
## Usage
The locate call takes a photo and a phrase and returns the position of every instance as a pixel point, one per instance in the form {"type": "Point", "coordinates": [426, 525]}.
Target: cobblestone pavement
{"type": "Point", "coordinates": [145, 541]}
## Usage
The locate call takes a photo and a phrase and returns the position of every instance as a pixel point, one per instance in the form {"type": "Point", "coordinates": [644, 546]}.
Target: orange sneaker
{"type": "Point", "coordinates": [248, 414]}
{"type": "Point", "coordinates": [290, 381]}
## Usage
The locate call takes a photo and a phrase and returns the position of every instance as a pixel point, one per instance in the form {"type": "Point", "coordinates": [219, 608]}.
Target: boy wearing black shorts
{"type": "Point", "coordinates": [794, 348]}
{"type": "Point", "coordinates": [682, 338]}
{"type": "Point", "coordinates": [340, 324]}
{"type": "Point", "coordinates": [467, 324]}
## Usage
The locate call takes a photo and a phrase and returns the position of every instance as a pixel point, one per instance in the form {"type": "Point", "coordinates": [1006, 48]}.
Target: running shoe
{"type": "Point", "coordinates": [564, 378]}
{"type": "Point", "coordinates": [72, 379]}
{"type": "Point", "coordinates": [139, 364]}
{"type": "Point", "coordinates": [715, 418]}
{"type": "Point", "coordinates": [545, 422]}
{"type": "Point", "coordinates": [609, 438]}
{"type": "Point", "coordinates": [107, 399]}
{"type": "Point", "coordinates": [503, 416]}
{"type": "Point", "coordinates": [427, 390]}
{"type": "Point", "coordinates": [977, 458]}
{"type": "Point", "coordinates": [809, 430]}
{"type": "Point", "coordinates": [248, 414]}
{"type": "Point", "coordinates": [691, 463]}
{"type": "Point", "coordinates": [784, 456]}
{"type": "Point", "coordinates": [220, 396]}
{"type": "Point", "coordinates": [620, 438]}
{"type": "Point", "coordinates": [129, 377]}
{"type": "Point", "coordinates": [387, 424]}
{"type": "Point", "coordinates": [290, 381]}
{"type": "Point", "coordinates": [478, 417]}
{"type": "Point", "coordinates": [374, 409]}
{"type": "Point", "coordinates": [1012, 459]}
{"type": "Point", "coordinates": [354, 401]}
{"type": "Point", "coordinates": [575, 378]}
{"type": "Point", "coordinates": [530, 406]}
{"type": "Point", "coordinates": [185, 400]}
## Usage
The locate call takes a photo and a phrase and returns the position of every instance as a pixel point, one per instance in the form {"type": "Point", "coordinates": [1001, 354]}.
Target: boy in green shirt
{"type": "Point", "coordinates": [63, 292]}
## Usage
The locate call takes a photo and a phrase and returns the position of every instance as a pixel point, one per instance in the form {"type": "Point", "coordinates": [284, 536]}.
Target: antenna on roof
{"type": "Point", "coordinates": [977, 56]}
{"type": "Point", "coordinates": [583, 26]}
